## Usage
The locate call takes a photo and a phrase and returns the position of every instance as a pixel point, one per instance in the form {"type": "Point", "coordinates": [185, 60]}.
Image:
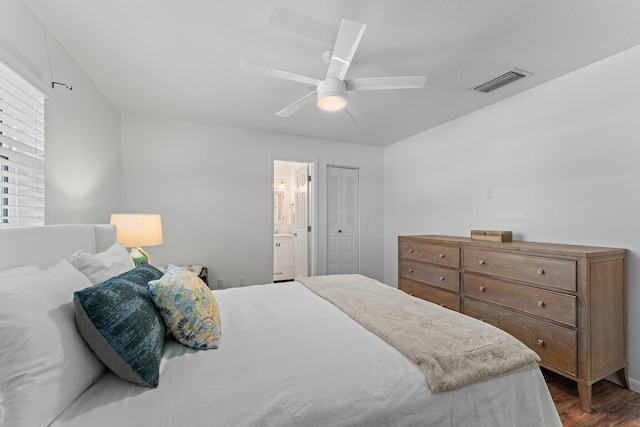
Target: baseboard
{"type": "Point", "coordinates": [634, 384]}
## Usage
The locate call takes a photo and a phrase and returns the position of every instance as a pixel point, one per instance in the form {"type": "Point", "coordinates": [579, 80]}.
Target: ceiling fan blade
{"type": "Point", "coordinates": [354, 112]}
{"type": "Point", "coordinates": [297, 105]}
{"type": "Point", "coordinates": [382, 83]}
{"type": "Point", "coordinates": [281, 74]}
{"type": "Point", "coordinates": [349, 36]}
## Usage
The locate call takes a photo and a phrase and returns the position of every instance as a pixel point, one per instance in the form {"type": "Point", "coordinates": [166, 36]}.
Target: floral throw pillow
{"type": "Point", "coordinates": [188, 308]}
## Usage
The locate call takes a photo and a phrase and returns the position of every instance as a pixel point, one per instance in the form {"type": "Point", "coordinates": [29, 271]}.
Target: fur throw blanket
{"type": "Point", "coordinates": [451, 349]}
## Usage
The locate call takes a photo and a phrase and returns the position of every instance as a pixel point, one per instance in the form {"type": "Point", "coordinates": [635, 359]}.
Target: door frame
{"type": "Point", "coordinates": [313, 208]}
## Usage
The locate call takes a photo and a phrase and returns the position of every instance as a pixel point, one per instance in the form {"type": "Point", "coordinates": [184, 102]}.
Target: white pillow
{"type": "Point", "coordinates": [104, 265]}
{"type": "Point", "coordinates": [18, 271]}
{"type": "Point", "coordinates": [45, 362]}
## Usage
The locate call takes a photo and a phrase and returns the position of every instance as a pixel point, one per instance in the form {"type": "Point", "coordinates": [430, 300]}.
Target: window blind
{"type": "Point", "coordinates": [21, 151]}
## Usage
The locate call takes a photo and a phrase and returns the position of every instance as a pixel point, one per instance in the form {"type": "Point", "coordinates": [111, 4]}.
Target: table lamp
{"type": "Point", "coordinates": [136, 230]}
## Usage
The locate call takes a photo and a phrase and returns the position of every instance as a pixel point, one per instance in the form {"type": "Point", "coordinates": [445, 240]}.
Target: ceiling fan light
{"type": "Point", "coordinates": [331, 94]}
{"type": "Point", "coordinates": [332, 103]}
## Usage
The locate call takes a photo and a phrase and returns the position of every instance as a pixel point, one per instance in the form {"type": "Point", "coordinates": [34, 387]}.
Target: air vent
{"type": "Point", "coordinates": [502, 80]}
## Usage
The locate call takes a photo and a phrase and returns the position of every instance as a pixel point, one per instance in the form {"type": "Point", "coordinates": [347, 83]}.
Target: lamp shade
{"type": "Point", "coordinates": [135, 230]}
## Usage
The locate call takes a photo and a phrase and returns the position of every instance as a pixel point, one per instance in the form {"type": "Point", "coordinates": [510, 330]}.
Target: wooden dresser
{"type": "Point", "coordinates": [566, 302]}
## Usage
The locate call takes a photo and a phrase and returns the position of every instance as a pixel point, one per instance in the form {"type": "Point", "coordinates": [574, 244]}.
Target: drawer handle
{"type": "Point", "coordinates": [540, 342]}
{"type": "Point", "coordinates": [411, 270]}
{"type": "Point", "coordinates": [441, 278]}
{"type": "Point", "coordinates": [540, 303]}
{"type": "Point", "coordinates": [482, 288]}
{"type": "Point", "coordinates": [410, 251]}
{"type": "Point", "coordinates": [441, 255]}
{"type": "Point", "coordinates": [540, 271]}
{"type": "Point", "coordinates": [481, 262]}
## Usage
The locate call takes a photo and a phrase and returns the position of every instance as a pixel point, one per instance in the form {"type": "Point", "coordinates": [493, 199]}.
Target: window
{"type": "Point", "coordinates": [21, 151]}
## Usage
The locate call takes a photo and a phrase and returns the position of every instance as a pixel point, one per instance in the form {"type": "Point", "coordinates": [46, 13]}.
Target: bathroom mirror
{"type": "Point", "coordinates": [278, 200]}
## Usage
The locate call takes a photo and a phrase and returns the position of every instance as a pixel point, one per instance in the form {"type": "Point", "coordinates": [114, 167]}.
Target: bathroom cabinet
{"type": "Point", "coordinates": [283, 257]}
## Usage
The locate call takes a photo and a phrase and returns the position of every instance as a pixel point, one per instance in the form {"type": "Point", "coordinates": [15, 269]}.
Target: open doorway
{"type": "Point", "coordinates": [293, 233]}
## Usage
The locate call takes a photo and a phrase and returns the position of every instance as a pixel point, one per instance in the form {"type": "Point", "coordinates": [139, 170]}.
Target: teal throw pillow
{"type": "Point", "coordinates": [122, 326]}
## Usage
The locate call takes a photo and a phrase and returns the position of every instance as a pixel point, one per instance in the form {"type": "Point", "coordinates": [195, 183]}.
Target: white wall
{"type": "Point", "coordinates": [82, 133]}
{"type": "Point", "coordinates": [564, 162]}
{"type": "Point", "coordinates": [82, 162]}
{"type": "Point", "coordinates": [213, 187]}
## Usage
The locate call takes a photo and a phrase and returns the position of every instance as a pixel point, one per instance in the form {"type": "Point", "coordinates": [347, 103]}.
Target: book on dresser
{"type": "Point", "coordinates": [566, 302]}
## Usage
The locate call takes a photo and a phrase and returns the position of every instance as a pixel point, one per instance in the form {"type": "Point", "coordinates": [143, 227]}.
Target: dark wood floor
{"type": "Point", "coordinates": [612, 405]}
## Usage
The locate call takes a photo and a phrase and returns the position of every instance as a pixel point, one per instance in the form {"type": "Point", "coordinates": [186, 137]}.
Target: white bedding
{"type": "Point", "coordinates": [289, 358]}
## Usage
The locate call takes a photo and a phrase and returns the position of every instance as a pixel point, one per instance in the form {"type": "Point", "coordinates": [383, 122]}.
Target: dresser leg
{"type": "Point", "coordinates": [622, 376]}
{"type": "Point", "coordinates": [584, 391]}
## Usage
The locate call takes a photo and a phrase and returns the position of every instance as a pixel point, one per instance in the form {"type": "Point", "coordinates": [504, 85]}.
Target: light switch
{"type": "Point", "coordinates": [489, 192]}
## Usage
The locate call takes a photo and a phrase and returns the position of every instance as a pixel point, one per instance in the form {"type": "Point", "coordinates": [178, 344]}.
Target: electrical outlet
{"type": "Point", "coordinates": [220, 283]}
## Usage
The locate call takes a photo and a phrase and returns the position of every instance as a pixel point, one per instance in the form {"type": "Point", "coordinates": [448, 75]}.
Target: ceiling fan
{"type": "Point", "coordinates": [332, 92]}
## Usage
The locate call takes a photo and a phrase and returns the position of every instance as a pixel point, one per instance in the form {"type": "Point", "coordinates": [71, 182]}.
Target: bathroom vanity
{"type": "Point", "coordinates": [283, 257]}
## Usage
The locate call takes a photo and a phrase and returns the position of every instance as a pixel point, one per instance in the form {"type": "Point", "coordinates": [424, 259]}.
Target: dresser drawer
{"type": "Point", "coordinates": [556, 345]}
{"type": "Point", "coordinates": [551, 305]}
{"type": "Point", "coordinates": [448, 256]}
{"type": "Point", "coordinates": [429, 293]}
{"type": "Point", "coordinates": [431, 274]}
{"type": "Point", "coordinates": [557, 273]}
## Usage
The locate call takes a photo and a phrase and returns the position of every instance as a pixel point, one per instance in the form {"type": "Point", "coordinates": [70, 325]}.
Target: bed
{"type": "Point", "coordinates": [287, 356]}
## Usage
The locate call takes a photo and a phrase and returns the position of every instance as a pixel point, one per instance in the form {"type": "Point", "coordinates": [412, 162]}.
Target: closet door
{"type": "Point", "coordinates": [343, 211]}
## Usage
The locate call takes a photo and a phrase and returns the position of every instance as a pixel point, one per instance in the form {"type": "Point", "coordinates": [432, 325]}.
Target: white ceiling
{"type": "Point", "coordinates": [179, 58]}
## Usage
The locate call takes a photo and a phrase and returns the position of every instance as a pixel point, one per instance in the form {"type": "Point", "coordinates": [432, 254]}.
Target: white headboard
{"type": "Point", "coordinates": [45, 245]}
